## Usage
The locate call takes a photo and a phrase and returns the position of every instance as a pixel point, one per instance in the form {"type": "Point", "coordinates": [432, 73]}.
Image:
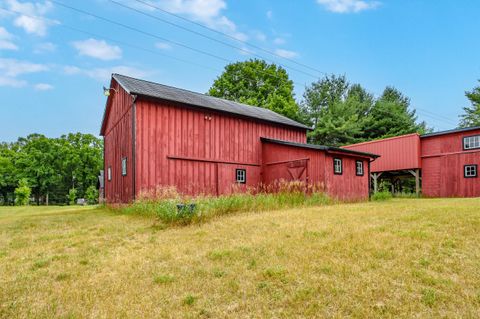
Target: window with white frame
{"type": "Point", "coordinates": [471, 142]}
{"type": "Point", "coordinates": [124, 166]}
{"type": "Point", "coordinates": [337, 166]}
{"type": "Point", "coordinates": [470, 171]}
{"type": "Point", "coordinates": [359, 168]}
{"type": "Point", "coordinates": [241, 175]}
{"type": "Point", "coordinates": [109, 173]}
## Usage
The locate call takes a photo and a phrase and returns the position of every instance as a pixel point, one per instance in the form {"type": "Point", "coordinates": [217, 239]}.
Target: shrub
{"type": "Point", "coordinates": [91, 194]}
{"type": "Point", "coordinates": [162, 203]}
{"type": "Point", "coordinates": [72, 195]}
{"type": "Point", "coordinates": [22, 193]}
{"type": "Point", "coordinates": [381, 196]}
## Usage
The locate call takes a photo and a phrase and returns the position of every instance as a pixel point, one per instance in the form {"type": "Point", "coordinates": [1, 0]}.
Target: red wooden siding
{"type": "Point", "coordinates": [397, 153]}
{"type": "Point", "coordinates": [443, 160]}
{"type": "Point", "coordinates": [319, 170]}
{"type": "Point", "coordinates": [198, 151]}
{"type": "Point", "coordinates": [118, 144]}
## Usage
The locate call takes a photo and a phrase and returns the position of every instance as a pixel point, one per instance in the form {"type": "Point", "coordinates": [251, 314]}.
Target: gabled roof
{"type": "Point", "coordinates": [457, 130]}
{"type": "Point", "coordinates": [163, 92]}
{"type": "Point", "coordinates": [319, 147]}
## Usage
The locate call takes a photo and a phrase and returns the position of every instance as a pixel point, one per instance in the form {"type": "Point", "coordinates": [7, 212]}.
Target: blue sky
{"type": "Point", "coordinates": [51, 76]}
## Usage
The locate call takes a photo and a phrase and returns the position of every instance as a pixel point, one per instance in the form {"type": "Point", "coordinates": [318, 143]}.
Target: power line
{"type": "Point", "coordinates": [142, 48]}
{"type": "Point", "coordinates": [229, 36]}
{"type": "Point", "coordinates": [208, 37]}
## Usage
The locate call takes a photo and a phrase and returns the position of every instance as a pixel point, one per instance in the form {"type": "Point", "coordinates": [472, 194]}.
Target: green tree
{"type": "Point", "coordinates": [472, 113]}
{"type": "Point", "coordinates": [72, 196]}
{"type": "Point", "coordinates": [8, 178]}
{"type": "Point", "coordinates": [38, 162]}
{"type": "Point", "coordinates": [391, 116]}
{"type": "Point", "coordinates": [336, 110]}
{"type": "Point", "coordinates": [257, 83]}
{"type": "Point", "coordinates": [22, 193]}
{"type": "Point", "coordinates": [91, 195]}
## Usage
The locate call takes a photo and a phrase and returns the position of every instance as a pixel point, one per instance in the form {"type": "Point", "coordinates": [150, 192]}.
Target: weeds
{"type": "Point", "coordinates": [381, 196]}
{"type": "Point", "coordinates": [171, 207]}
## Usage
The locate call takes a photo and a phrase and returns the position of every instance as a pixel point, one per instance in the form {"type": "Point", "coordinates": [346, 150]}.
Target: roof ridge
{"type": "Point", "coordinates": [201, 94]}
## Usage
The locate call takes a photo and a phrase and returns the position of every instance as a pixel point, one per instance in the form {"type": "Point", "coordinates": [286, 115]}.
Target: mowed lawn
{"type": "Point", "coordinates": [400, 258]}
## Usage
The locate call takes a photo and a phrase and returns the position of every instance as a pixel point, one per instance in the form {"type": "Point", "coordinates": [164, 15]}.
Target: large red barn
{"type": "Point", "coordinates": [156, 135]}
{"type": "Point", "coordinates": [447, 161]}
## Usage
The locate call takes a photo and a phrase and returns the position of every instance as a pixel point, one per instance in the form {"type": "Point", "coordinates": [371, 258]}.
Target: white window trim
{"type": "Point", "coordinates": [471, 140]}
{"type": "Point", "coordinates": [109, 173]}
{"type": "Point", "coordinates": [340, 166]}
{"type": "Point", "coordinates": [241, 175]}
{"type": "Point", "coordinates": [472, 173]}
{"type": "Point", "coordinates": [361, 173]}
{"type": "Point", "coordinates": [124, 166]}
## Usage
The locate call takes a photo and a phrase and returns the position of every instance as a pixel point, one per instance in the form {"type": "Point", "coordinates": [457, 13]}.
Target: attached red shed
{"type": "Point", "coordinates": [450, 162]}
{"type": "Point", "coordinates": [156, 135]}
{"type": "Point", "coordinates": [447, 161]}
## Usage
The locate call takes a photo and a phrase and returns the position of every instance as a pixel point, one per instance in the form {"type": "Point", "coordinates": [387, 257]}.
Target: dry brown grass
{"type": "Point", "coordinates": [401, 258]}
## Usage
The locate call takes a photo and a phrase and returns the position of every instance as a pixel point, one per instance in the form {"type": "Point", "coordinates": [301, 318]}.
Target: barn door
{"type": "Point", "coordinates": [293, 170]}
{"type": "Point", "coordinates": [297, 170]}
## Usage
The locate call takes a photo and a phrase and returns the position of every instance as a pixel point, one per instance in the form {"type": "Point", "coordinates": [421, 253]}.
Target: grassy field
{"type": "Point", "coordinates": [400, 258]}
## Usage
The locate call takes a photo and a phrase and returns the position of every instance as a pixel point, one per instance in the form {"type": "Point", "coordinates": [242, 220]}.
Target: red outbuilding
{"type": "Point", "coordinates": [445, 162]}
{"type": "Point", "coordinates": [157, 135]}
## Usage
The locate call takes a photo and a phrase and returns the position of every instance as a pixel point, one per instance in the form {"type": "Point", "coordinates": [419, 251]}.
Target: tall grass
{"type": "Point", "coordinates": [163, 202]}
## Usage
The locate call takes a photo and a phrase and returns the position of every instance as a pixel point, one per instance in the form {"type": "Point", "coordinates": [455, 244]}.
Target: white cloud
{"type": "Point", "coordinates": [104, 74]}
{"type": "Point", "coordinates": [208, 12]}
{"type": "Point", "coordinates": [163, 46]}
{"type": "Point", "coordinates": [10, 69]}
{"type": "Point", "coordinates": [12, 82]}
{"type": "Point", "coordinates": [13, 68]}
{"type": "Point", "coordinates": [286, 53]}
{"type": "Point", "coordinates": [43, 87]}
{"type": "Point", "coordinates": [98, 49]}
{"type": "Point", "coordinates": [30, 16]}
{"type": "Point", "coordinates": [279, 41]}
{"type": "Point", "coordinates": [347, 6]}
{"type": "Point", "coordinates": [260, 36]}
{"type": "Point", "coordinates": [45, 47]}
{"type": "Point", "coordinates": [5, 40]}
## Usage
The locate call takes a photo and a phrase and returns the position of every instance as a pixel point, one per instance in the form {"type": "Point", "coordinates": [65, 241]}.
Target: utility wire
{"type": "Point", "coordinates": [142, 48]}
{"type": "Point", "coordinates": [229, 36]}
{"type": "Point", "coordinates": [209, 37]}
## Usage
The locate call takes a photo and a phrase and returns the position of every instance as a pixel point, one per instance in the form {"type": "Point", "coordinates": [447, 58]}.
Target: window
{"type": "Point", "coordinates": [359, 168]}
{"type": "Point", "coordinates": [124, 166]}
{"type": "Point", "coordinates": [337, 166]}
{"type": "Point", "coordinates": [470, 171]}
{"type": "Point", "coordinates": [241, 176]}
{"type": "Point", "coordinates": [109, 173]}
{"type": "Point", "coordinates": [471, 142]}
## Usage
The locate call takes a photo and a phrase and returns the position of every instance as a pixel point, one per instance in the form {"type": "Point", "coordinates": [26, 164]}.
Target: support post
{"type": "Point", "coordinates": [417, 182]}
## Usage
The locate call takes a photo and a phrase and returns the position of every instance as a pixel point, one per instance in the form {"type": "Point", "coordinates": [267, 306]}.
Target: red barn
{"type": "Point", "coordinates": [156, 135]}
{"type": "Point", "coordinates": [446, 161]}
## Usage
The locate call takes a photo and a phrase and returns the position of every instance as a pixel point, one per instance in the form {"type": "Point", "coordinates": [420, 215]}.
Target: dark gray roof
{"type": "Point", "coordinates": [164, 92]}
{"type": "Point", "coordinates": [318, 147]}
{"type": "Point", "coordinates": [457, 130]}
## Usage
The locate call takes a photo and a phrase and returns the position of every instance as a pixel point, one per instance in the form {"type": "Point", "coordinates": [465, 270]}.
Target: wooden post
{"type": "Point", "coordinates": [375, 177]}
{"type": "Point", "coordinates": [417, 181]}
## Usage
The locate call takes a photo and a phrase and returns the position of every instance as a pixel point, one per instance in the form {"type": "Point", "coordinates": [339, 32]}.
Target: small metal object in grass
{"type": "Point", "coordinates": [186, 209]}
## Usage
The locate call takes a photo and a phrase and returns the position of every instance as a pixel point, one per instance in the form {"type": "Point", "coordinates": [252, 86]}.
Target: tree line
{"type": "Point", "coordinates": [338, 111]}
{"type": "Point", "coordinates": [59, 170]}
{"type": "Point", "coordinates": [50, 170]}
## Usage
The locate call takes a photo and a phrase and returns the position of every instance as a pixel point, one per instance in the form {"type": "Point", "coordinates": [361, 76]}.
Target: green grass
{"type": "Point", "coordinates": [398, 258]}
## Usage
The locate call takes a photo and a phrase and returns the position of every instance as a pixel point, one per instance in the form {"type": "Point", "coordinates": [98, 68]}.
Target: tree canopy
{"type": "Point", "coordinates": [471, 117]}
{"type": "Point", "coordinates": [50, 166]}
{"type": "Point", "coordinates": [342, 113]}
{"type": "Point", "coordinates": [257, 83]}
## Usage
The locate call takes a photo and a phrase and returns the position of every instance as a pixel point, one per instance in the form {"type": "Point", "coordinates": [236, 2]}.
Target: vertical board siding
{"type": "Point", "coordinates": [443, 161]}
{"type": "Point", "coordinates": [396, 153]}
{"type": "Point", "coordinates": [118, 144]}
{"type": "Point", "coordinates": [347, 186]}
{"type": "Point", "coordinates": [168, 129]}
